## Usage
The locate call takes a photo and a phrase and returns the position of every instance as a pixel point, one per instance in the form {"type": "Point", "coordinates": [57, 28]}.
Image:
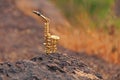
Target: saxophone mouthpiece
{"type": "Point", "coordinates": [38, 13]}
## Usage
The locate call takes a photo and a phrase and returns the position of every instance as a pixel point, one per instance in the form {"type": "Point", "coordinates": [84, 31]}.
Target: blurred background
{"type": "Point", "coordinates": [95, 26]}
{"type": "Point", "coordinates": [88, 26]}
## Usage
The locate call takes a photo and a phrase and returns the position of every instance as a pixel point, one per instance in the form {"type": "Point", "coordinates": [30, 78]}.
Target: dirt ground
{"type": "Point", "coordinates": [21, 39]}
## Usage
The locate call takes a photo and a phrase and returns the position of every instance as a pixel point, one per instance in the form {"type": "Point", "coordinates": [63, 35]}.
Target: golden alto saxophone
{"type": "Point", "coordinates": [50, 40]}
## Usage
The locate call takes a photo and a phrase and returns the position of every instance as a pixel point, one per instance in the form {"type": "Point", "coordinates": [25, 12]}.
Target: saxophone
{"type": "Point", "coordinates": [50, 42]}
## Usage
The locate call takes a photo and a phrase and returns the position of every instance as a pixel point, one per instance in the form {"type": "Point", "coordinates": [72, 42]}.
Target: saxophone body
{"type": "Point", "coordinates": [50, 41]}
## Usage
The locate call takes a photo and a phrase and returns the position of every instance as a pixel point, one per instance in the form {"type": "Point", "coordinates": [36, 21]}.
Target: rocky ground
{"type": "Point", "coordinates": [21, 38]}
{"type": "Point", "coordinates": [48, 67]}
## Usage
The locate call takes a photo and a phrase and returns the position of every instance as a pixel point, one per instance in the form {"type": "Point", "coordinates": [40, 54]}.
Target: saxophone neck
{"type": "Point", "coordinates": [47, 22]}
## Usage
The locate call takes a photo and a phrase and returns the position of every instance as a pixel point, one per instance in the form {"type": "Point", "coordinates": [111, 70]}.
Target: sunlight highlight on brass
{"type": "Point", "coordinates": [50, 40]}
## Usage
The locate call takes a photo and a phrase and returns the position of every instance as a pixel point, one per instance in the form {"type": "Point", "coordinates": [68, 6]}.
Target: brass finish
{"type": "Point", "coordinates": [50, 40]}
